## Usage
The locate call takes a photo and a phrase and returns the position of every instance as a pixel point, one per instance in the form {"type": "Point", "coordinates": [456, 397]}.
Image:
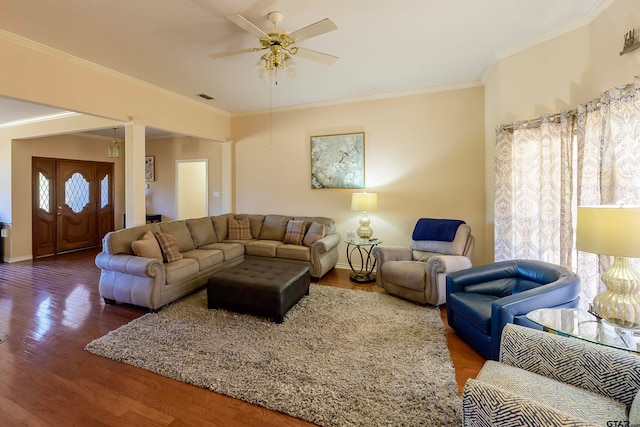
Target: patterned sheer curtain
{"type": "Point", "coordinates": [533, 205]}
{"type": "Point", "coordinates": [608, 147]}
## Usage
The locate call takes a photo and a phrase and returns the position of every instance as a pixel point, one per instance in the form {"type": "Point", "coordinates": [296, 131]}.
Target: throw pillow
{"type": "Point", "coordinates": [315, 233]}
{"type": "Point", "coordinates": [295, 232]}
{"type": "Point", "coordinates": [147, 247]}
{"type": "Point", "coordinates": [239, 229]}
{"type": "Point", "coordinates": [169, 246]}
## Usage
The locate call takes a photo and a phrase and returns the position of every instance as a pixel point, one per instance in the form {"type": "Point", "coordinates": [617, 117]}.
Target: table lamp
{"type": "Point", "coordinates": [364, 202]}
{"type": "Point", "coordinates": [614, 231]}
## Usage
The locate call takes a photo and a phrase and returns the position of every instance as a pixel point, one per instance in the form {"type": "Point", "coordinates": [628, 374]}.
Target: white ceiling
{"type": "Point", "coordinates": [385, 47]}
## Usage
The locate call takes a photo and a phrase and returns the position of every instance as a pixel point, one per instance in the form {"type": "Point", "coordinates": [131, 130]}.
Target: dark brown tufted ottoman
{"type": "Point", "coordinates": [264, 288]}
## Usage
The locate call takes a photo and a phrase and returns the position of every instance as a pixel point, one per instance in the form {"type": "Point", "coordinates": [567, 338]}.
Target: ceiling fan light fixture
{"type": "Point", "coordinates": [279, 44]}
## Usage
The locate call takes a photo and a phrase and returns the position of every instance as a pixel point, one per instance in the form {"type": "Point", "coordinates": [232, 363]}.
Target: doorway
{"type": "Point", "coordinates": [191, 188]}
{"type": "Point", "coordinates": [72, 204]}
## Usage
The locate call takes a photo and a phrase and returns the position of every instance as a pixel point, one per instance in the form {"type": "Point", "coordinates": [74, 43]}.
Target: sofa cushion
{"type": "Point", "coordinates": [206, 258]}
{"type": "Point", "coordinates": [180, 231]}
{"type": "Point", "coordinates": [274, 227]}
{"type": "Point", "coordinates": [408, 274]}
{"type": "Point", "coordinates": [202, 231]}
{"type": "Point", "coordinates": [147, 247]}
{"type": "Point", "coordinates": [239, 229]}
{"type": "Point", "coordinates": [475, 308]}
{"type": "Point", "coordinates": [565, 398]}
{"type": "Point", "coordinates": [119, 242]}
{"type": "Point", "coordinates": [169, 247]}
{"type": "Point", "coordinates": [230, 250]}
{"type": "Point", "coordinates": [498, 288]}
{"type": "Point", "coordinates": [316, 232]}
{"type": "Point", "coordinates": [266, 248]}
{"type": "Point", "coordinates": [297, 252]}
{"type": "Point", "coordinates": [255, 223]}
{"type": "Point", "coordinates": [221, 225]}
{"type": "Point", "coordinates": [295, 232]}
{"type": "Point", "coordinates": [329, 224]}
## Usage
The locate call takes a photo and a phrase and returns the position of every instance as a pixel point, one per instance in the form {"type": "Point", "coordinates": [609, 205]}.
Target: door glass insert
{"type": "Point", "coordinates": [104, 191]}
{"type": "Point", "coordinates": [76, 192]}
{"type": "Point", "coordinates": [43, 192]}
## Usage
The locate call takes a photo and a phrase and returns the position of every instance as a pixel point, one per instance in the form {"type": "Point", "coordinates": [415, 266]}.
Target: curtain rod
{"type": "Point", "coordinates": [539, 119]}
{"type": "Point", "coordinates": [625, 90]}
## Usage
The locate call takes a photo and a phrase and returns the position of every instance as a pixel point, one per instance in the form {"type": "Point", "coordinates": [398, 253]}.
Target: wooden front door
{"type": "Point", "coordinates": [72, 204]}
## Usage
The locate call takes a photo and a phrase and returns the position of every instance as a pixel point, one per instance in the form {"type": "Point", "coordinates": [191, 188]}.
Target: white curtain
{"type": "Point", "coordinates": [535, 198]}
{"type": "Point", "coordinates": [533, 205]}
{"type": "Point", "coordinates": [608, 147]}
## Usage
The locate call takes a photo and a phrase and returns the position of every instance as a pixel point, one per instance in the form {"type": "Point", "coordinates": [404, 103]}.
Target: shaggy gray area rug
{"type": "Point", "coordinates": [340, 358]}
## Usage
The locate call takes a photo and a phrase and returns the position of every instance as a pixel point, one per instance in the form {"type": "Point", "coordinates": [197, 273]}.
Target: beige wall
{"type": "Point", "coordinates": [160, 195]}
{"type": "Point", "coordinates": [557, 74]}
{"type": "Point", "coordinates": [36, 73]}
{"type": "Point", "coordinates": [423, 156]}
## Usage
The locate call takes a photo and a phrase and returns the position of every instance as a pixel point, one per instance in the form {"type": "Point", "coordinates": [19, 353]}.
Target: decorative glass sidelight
{"type": "Point", "coordinates": [44, 186]}
{"type": "Point", "coordinates": [104, 191]}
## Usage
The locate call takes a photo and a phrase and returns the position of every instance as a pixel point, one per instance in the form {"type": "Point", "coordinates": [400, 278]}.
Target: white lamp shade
{"type": "Point", "coordinates": [609, 230]}
{"type": "Point", "coordinates": [364, 202]}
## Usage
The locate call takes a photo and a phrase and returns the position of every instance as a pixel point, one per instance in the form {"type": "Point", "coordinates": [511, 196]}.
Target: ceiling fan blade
{"type": "Point", "coordinates": [313, 30]}
{"type": "Point", "coordinates": [314, 55]}
{"type": "Point", "coordinates": [229, 53]}
{"type": "Point", "coordinates": [246, 25]}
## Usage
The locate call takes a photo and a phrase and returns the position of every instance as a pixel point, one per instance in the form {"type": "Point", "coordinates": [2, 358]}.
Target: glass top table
{"type": "Point", "coordinates": [578, 323]}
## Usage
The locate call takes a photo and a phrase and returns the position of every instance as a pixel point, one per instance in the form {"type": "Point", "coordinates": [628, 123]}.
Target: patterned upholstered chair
{"type": "Point", "coordinates": [544, 379]}
{"type": "Point", "coordinates": [418, 273]}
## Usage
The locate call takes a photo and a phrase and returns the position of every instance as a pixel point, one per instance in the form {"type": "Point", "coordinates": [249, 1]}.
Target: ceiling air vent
{"type": "Point", "coordinates": [205, 96]}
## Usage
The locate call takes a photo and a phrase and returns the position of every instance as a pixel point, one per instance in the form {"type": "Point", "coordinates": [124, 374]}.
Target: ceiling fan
{"type": "Point", "coordinates": [280, 44]}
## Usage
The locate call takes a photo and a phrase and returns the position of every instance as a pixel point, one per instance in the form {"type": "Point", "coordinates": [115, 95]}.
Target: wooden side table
{"type": "Point", "coordinates": [362, 248]}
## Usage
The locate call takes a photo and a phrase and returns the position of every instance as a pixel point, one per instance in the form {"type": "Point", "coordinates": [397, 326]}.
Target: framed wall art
{"type": "Point", "coordinates": [150, 168]}
{"type": "Point", "coordinates": [337, 161]}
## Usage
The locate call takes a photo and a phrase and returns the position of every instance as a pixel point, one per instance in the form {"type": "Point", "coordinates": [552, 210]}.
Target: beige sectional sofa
{"type": "Point", "coordinates": [203, 246]}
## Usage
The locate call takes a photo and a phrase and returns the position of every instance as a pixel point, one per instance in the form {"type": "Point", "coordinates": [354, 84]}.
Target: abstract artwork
{"type": "Point", "coordinates": [337, 161]}
{"type": "Point", "coordinates": [150, 168]}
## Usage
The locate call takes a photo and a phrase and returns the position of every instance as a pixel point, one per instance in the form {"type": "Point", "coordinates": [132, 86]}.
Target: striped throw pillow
{"type": "Point", "coordinates": [239, 229]}
{"type": "Point", "coordinates": [295, 232]}
{"type": "Point", "coordinates": [169, 247]}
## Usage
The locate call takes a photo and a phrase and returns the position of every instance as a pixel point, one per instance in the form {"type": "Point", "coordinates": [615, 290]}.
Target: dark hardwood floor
{"type": "Point", "coordinates": [50, 309]}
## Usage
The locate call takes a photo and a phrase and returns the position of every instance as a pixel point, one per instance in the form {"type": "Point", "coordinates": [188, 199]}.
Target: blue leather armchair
{"type": "Point", "coordinates": [482, 300]}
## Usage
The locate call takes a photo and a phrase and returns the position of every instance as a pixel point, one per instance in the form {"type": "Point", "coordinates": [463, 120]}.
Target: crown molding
{"type": "Point", "coordinates": [376, 97]}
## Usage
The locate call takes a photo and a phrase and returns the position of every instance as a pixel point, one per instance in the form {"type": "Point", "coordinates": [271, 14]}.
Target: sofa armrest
{"type": "Point", "coordinates": [504, 310]}
{"type": "Point", "coordinates": [129, 264]}
{"type": "Point", "coordinates": [325, 244]}
{"type": "Point", "coordinates": [445, 264]}
{"type": "Point", "coordinates": [597, 368]}
{"type": "Point", "coordinates": [391, 253]}
{"type": "Point", "coordinates": [486, 405]}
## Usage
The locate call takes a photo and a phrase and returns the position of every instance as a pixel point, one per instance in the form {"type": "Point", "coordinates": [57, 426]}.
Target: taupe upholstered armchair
{"type": "Point", "coordinates": [418, 273]}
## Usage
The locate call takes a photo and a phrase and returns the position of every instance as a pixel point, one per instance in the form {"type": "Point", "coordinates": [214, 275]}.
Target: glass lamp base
{"type": "Point", "coordinates": [619, 304]}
